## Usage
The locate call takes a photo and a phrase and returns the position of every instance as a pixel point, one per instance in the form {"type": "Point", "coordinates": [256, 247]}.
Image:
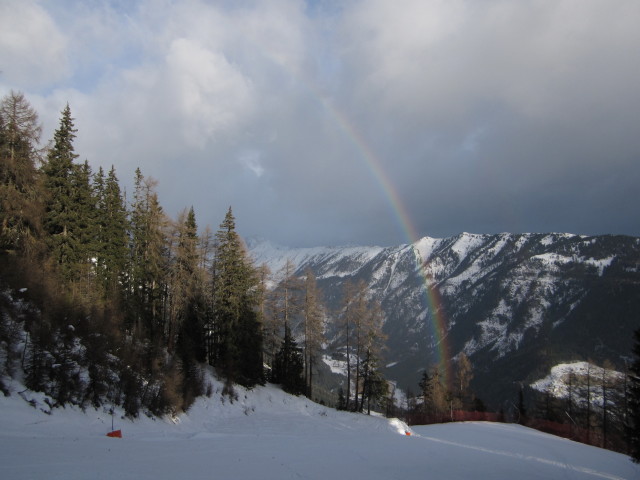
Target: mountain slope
{"type": "Point", "coordinates": [516, 304]}
{"type": "Point", "coordinates": [270, 435]}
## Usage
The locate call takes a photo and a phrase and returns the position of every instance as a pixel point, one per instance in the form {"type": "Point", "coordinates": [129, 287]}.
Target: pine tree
{"type": "Point", "coordinates": [112, 238]}
{"type": "Point", "coordinates": [288, 365]}
{"type": "Point", "coordinates": [85, 229]}
{"type": "Point", "coordinates": [426, 391]}
{"type": "Point", "coordinates": [342, 402]}
{"type": "Point", "coordinates": [187, 307]}
{"type": "Point", "coordinates": [64, 184]}
{"type": "Point", "coordinates": [374, 385]}
{"type": "Point", "coordinates": [249, 341]}
{"type": "Point", "coordinates": [187, 303]}
{"type": "Point", "coordinates": [70, 220]}
{"type": "Point", "coordinates": [237, 345]}
{"type": "Point", "coordinates": [589, 402]}
{"type": "Point", "coordinates": [522, 409]}
{"type": "Point", "coordinates": [633, 402]}
{"type": "Point", "coordinates": [148, 261]}
{"type": "Point", "coordinates": [607, 388]}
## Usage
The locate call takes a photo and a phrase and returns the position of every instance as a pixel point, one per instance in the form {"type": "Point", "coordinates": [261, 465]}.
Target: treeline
{"type": "Point", "coordinates": [361, 342]}
{"type": "Point", "coordinates": [593, 406]}
{"type": "Point", "coordinates": [438, 401]}
{"type": "Point", "coordinates": [123, 304]}
{"type": "Point", "coordinates": [295, 306]}
{"type": "Point", "coordinates": [590, 404]}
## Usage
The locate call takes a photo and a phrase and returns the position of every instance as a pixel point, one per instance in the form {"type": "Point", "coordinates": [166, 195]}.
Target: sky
{"type": "Point", "coordinates": [370, 122]}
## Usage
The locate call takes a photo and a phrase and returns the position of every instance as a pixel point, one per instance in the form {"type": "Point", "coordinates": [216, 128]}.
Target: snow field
{"type": "Point", "coordinates": [267, 434]}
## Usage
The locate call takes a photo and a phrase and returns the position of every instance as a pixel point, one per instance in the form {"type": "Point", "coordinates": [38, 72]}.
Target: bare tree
{"type": "Point", "coordinates": [464, 375]}
{"type": "Point", "coordinates": [313, 328]}
{"type": "Point", "coordinates": [21, 206]}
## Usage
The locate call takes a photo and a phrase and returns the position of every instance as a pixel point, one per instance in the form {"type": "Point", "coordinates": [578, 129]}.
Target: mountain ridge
{"type": "Point", "coordinates": [514, 303]}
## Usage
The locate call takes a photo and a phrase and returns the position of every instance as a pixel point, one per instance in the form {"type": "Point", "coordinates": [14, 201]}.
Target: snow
{"type": "Point", "coordinates": [551, 260]}
{"type": "Point", "coordinates": [337, 366]}
{"type": "Point", "coordinates": [557, 382]}
{"type": "Point", "coordinates": [466, 242]}
{"type": "Point", "coordinates": [499, 245]}
{"type": "Point", "coordinates": [555, 237]}
{"type": "Point", "coordinates": [276, 256]}
{"type": "Point", "coordinates": [267, 434]}
{"type": "Point", "coordinates": [472, 273]}
{"type": "Point", "coordinates": [600, 264]}
{"type": "Point", "coordinates": [426, 246]}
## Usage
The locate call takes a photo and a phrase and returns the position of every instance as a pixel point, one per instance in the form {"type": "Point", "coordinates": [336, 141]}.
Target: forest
{"type": "Point", "coordinates": [108, 301]}
{"type": "Point", "coordinates": [119, 304]}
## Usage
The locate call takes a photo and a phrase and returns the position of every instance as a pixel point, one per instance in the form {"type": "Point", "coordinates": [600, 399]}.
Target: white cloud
{"type": "Point", "coordinates": [32, 47]}
{"type": "Point", "coordinates": [213, 97]}
{"type": "Point", "coordinates": [252, 161]}
{"type": "Point", "coordinates": [468, 106]}
{"type": "Point", "coordinates": [441, 59]}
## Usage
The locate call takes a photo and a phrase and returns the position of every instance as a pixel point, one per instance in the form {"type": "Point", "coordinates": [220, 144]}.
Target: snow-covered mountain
{"type": "Point", "coordinates": [516, 304]}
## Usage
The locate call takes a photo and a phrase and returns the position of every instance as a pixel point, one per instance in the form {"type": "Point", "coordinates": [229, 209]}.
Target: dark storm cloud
{"type": "Point", "coordinates": [481, 116]}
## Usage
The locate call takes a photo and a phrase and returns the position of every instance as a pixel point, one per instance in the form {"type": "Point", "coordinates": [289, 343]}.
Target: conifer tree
{"type": "Point", "coordinates": [186, 285]}
{"type": "Point", "coordinates": [237, 341]}
{"type": "Point", "coordinates": [633, 402]}
{"type": "Point", "coordinates": [187, 307]}
{"type": "Point", "coordinates": [288, 365]}
{"type": "Point", "coordinates": [342, 402]}
{"type": "Point", "coordinates": [607, 388]}
{"type": "Point", "coordinates": [374, 386]}
{"type": "Point", "coordinates": [85, 228]}
{"type": "Point", "coordinates": [67, 203]}
{"type": "Point", "coordinates": [58, 172]}
{"type": "Point", "coordinates": [148, 260]}
{"type": "Point", "coordinates": [70, 215]}
{"type": "Point", "coordinates": [112, 239]}
{"type": "Point", "coordinates": [426, 391]}
{"type": "Point", "coordinates": [99, 194]}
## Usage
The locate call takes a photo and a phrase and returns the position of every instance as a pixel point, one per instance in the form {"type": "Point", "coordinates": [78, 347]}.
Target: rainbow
{"type": "Point", "coordinates": [432, 296]}
{"type": "Point", "coordinates": [371, 160]}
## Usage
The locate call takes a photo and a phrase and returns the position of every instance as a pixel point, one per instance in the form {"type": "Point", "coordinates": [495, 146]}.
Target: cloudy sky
{"type": "Point", "coordinates": [349, 122]}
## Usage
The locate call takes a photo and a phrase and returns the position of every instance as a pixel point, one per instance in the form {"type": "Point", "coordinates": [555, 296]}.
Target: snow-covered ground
{"type": "Point", "coordinates": [266, 434]}
{"type": "Point", "coordinates": [557, 382]}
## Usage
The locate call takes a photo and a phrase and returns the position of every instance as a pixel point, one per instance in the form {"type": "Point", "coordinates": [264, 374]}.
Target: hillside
{"type": "Point", "coordinates": [271, 435]}
{"type": "Point", "coordinates": [516, 304]}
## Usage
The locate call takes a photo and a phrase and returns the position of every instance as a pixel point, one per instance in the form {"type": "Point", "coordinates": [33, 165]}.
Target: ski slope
{"type": "Point", "coordinates": [266, 434]}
